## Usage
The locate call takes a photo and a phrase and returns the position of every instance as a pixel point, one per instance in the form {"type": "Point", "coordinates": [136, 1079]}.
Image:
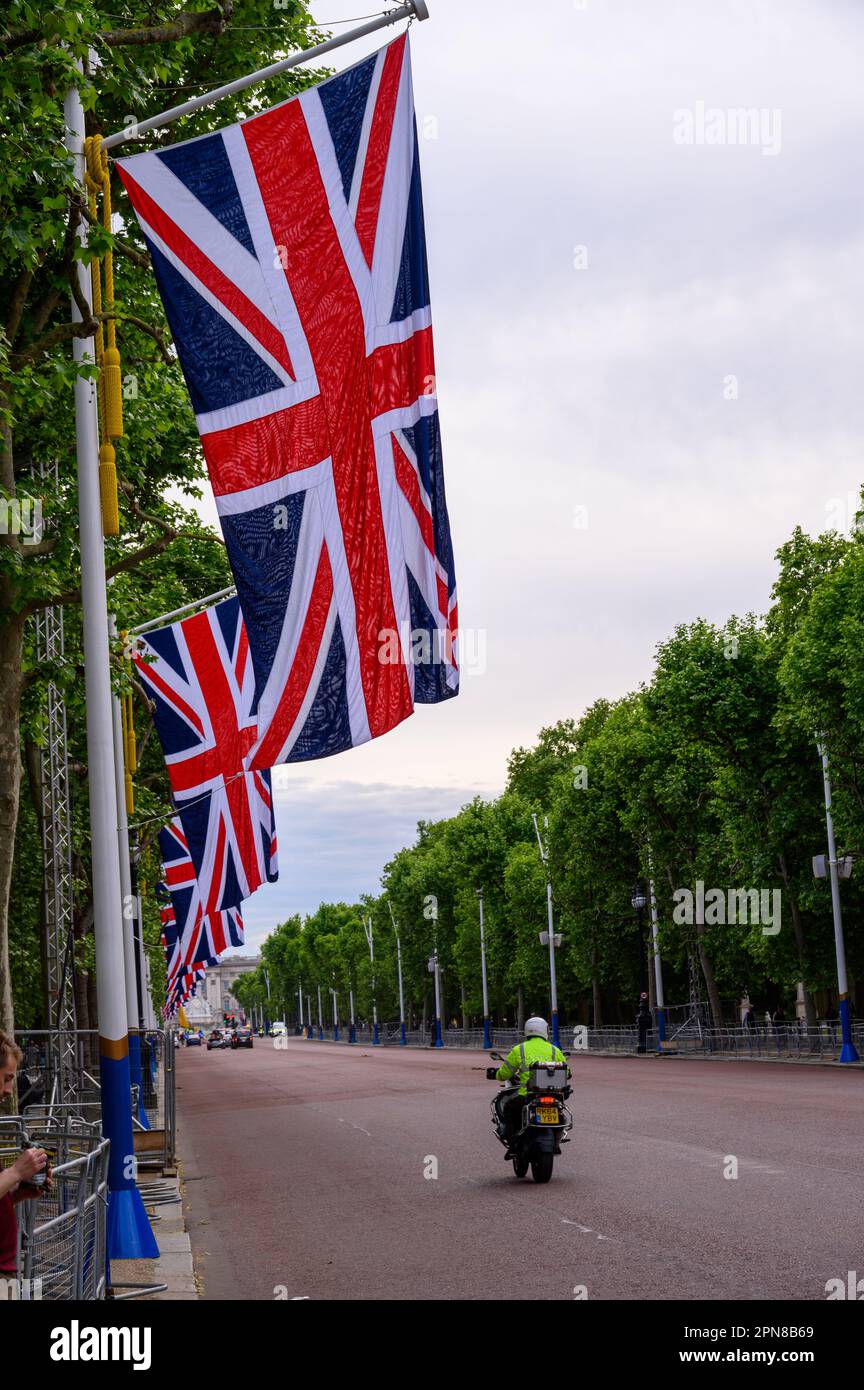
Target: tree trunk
{"type": "Point", "coordinates": [11, 643]}
{"type": "Point", "coordinates": [597, 1002]}
{"type": "Point", "coordinates": [464, 1020]}
{"type": "Point", "coordinates": [520, 1009]}
{"type": "Point", "coordinates": [798, 929]}
{"type": "Point", "coordinates": [708, 974]}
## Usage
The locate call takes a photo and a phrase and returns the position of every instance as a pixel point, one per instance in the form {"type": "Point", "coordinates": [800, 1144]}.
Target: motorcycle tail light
{"type": "Point", "coordinates": [548, 1100]}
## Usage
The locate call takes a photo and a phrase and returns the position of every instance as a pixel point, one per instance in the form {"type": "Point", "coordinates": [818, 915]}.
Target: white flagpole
{"type": "Point", "coordinates": [129, 1232]}
{"type": "Point", "coordinates": [412, 9]}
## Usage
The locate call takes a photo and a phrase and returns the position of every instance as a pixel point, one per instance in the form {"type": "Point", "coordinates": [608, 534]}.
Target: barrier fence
{"type": "Point", "coordinates": [779, 1040]}
{"type": "Point", "coordinates": [153, 1089]}
{"type": "Point", "coordinates": [61, 1234]}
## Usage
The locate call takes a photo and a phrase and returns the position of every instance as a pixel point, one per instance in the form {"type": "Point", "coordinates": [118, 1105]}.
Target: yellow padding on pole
{"type": "Point", "coordinates": [108, 490]}
{"type": "Point", "coordinates": [110, 382]}
{"type": "Point", "coordinates": [113, 376]}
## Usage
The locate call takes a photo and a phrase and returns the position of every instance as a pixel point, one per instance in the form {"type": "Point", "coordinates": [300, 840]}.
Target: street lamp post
{"type": "Point", "coordinates": [402, 1039]}
{"type": "Point", "coordinates": [435, 971]}
{"type": "Point", "coordinates": [487, 1038]}
{"type": "Point", "coordinates": [658, 967]}
{"type": "Point", "coordinates": [549, 936]}
{"type": "Point", "coordinates": [320, 1018]}
{"type": "Point", "coordinates": [335, 1016]}
{"type": "Point", "coordinates": [352, 1035]}
{"type": "Point", "coordinates": [300, 995]}
{"type": "Point", "coordinates": [848, 1051]}
{"type": "Point", "coordinates": [367, 927]}
{"type": "Point", "coordinates": [638, 902]}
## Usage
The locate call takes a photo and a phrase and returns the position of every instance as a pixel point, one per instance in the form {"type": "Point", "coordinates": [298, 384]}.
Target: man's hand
{"type": "Point", "coordinates": [28, 1163]}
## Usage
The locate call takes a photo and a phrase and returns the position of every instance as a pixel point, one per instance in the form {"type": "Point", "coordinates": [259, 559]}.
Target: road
{"type": "Point", "coordinates": [305, 1177]}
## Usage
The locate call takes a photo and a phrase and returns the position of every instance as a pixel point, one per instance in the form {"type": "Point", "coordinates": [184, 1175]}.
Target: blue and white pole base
{"type": "Point", "coordinates": [555, 1034]}
{"type": "Point", "coordinates": [403, 1041]}
{"type": "Point", "coordinates": [376, 1037]}
{"type": "Point", "coordinates": [487, 1035]}
{"type": "Point", "coordinates": [848, 1052]}
{"type": "Point", "coordinates": [335, 1032]}
{"type": "Point", "coordinates": [439, 1041]}
{"type": "Point", "coordinates": [130, 1236]}
{"type": "Point", "coordinates": [352, 1034]}
{"type": "Point", "coordinates": [661, 1029]}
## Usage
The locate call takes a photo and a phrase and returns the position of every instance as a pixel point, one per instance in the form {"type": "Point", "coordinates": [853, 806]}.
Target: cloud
{"type": "Point", "coordinates": [335, 838]}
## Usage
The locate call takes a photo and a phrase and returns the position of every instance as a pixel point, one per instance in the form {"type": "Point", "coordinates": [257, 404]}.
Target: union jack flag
{"type": "Point", "coordinates": [197, 938]}
{"type": "Point", "coordinates": [200, 677]}
{"type": "Point", "coordinates": [290, 254]}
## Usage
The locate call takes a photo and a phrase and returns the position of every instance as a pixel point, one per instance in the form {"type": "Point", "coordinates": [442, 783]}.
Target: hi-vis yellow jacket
{"type": "Point", "coordinates": [523, 1054]}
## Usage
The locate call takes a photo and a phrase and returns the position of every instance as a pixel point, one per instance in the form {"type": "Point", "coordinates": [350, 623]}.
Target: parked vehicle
{"type": "Point", "coordinates": [545, 1120]}
{"type": "Point", "coordinates": [216, 1039]}
{"type": "Point", "coordinates": [242, 1037]}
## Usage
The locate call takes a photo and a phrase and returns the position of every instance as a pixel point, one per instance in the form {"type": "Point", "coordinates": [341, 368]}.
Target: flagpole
{"type": "Point", "coordinates": [178, 612]}
{"type": "Point", "coordinates": [412, 9]}
{"type": "Point", "coordinates": [130, 974]}
{"type": "Point", "coordinates": [129, 1232]}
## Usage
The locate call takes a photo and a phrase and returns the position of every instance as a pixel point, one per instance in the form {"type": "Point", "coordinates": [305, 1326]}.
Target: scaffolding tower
{"type": "Point", "coordinates": [57, 854]}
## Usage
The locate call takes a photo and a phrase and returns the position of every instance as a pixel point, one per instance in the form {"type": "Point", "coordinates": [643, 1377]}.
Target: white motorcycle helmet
{"type": "Point", "coordinates": [537, 1028]}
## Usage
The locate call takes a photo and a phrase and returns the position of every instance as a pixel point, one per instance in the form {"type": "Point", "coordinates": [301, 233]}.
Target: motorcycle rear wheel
{"type": "Point", "coordinates": [520, 1165]}
{"type": "Point", "coordinates": [541, 1167]}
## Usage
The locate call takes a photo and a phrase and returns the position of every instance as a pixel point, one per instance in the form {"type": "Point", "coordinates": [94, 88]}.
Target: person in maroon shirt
{"type": "Point", "coordinates": [14, 1179]}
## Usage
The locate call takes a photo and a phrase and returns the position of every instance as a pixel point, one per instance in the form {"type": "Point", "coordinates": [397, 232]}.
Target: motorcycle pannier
{"type": "Point", "coordinates": [551, 1076]}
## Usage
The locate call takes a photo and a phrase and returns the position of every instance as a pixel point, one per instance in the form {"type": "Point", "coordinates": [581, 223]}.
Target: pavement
{"type": "Point", "coordinates": [373, 1173]}
{"type": "Point", "coordinates": [174, 1266]}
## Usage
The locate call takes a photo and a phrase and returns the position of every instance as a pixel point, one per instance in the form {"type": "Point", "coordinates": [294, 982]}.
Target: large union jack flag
{"type": "Point", "coordinates": [290, 254]}
{"type": "Point", "coordinates": [200, 677]}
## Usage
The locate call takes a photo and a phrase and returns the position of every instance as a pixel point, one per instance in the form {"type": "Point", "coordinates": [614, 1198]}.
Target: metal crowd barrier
{"type": "Point", "coordinates": [780, 1040]}
{"type": "Point", "coordinates": [62, 1233]}
{"type": "Point", "coordinates": [44, 1091]}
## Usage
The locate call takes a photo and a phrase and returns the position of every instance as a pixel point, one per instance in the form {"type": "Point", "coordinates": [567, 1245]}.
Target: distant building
{"type": "Point", "coordinates": [214, 998]}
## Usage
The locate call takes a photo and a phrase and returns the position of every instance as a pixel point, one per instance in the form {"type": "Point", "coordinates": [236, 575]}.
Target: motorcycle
{"type": "Point", "coordinates": [546, 1121]}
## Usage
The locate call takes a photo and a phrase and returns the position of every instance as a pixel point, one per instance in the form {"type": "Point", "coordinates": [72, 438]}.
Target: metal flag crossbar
{"type": "Point", "coordinates": [412, 9]}
{"type": "Point", "coordinates": [178, 612]}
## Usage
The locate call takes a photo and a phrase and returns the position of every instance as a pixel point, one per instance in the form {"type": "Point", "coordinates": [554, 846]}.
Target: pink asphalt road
{"type": "Point", "coordinates": [305, 1176]}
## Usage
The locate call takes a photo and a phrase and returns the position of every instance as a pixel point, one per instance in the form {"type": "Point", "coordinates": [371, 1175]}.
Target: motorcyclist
{"type": "Point", "coordinates": [517, 1070]}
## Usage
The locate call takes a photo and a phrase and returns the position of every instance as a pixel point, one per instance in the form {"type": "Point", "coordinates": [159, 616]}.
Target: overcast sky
{"type": "Point", "coordinates": [648, 353]}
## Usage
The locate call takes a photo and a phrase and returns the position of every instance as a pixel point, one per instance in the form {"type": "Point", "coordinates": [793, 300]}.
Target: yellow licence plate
{"type": "Point", "coordinates": [547, 1114]}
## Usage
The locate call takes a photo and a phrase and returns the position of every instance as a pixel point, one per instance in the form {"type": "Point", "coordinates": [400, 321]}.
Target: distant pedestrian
{"type": "Point", "coordinates": [643, 1022]}
{"type": "Point", "coordinates": [749, 1020]}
